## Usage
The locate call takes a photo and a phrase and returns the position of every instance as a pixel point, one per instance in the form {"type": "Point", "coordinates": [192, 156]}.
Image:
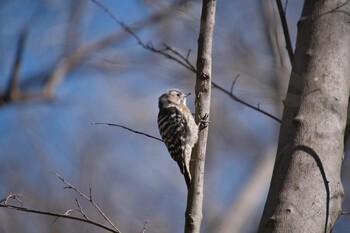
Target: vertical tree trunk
{"type": "Point", "coordinates": [306, 192]}
{"type": "Point", "coordinates": [203, 93]}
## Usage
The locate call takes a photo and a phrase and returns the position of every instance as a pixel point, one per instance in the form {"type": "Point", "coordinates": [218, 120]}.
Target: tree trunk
{"type": "Point", "coordinates": [306, 192]}
{"type": "Point", "coordinates": [203, 93]}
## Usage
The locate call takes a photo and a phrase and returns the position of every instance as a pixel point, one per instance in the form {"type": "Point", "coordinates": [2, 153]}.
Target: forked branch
{"type": "Point", "coordinates": [88, 198]}
{"type": "Point", "coordinates": [4, 203]}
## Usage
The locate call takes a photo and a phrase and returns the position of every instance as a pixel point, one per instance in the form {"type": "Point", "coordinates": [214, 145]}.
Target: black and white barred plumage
{"type": "Point", "coordinates": [178, 129]}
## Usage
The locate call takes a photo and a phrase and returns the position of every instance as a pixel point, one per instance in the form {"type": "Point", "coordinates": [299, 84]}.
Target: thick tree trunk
{"type": "Point", "coordinates": [306, 192]}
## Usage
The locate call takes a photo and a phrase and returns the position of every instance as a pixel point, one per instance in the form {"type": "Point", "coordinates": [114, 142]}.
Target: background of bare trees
{"type": "Point", "coordinates": [96, 72]}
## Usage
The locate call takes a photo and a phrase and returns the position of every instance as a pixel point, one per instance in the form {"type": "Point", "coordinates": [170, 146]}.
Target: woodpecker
{"type": "Point", "coordinates": [178, 129]}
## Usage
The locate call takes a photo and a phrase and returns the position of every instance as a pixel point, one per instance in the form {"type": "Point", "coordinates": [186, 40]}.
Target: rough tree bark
{"type": "Point", "coordinates": [306, 192]}
{"type": "Point", "coordinates": [203, 93]}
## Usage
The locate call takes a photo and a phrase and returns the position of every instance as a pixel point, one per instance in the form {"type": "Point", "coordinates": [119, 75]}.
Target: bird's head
{"type": "Point", "coordinates": [172, 96]}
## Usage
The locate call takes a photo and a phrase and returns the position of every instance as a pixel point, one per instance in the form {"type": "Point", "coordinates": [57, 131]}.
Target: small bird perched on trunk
{"type": "Point", "coordinates": [178, 129]}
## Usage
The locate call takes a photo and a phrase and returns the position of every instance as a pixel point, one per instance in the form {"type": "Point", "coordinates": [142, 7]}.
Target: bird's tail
{"type": "Point", "coordinates": [185, 170]}
{"type": "Point", "coordinates": [187, 176]}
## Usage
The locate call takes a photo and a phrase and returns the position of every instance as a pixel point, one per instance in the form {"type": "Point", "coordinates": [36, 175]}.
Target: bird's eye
{"type": "Point", "coordinates": [178, 94]}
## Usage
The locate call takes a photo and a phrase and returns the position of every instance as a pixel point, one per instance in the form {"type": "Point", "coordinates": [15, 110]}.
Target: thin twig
{"type": "Point", "coordinates": [234, 83]}
{"type": "Point", "coordinates": [69, 186]}
{"type": "Point", "coordinates": [132, 130]}
{"type": "Point", "coordinates": [81, 209]}
{"type": "Point", "coordinates": [344, 213]}
{"type": "Point", "coordinates": [188, 54]}
{"type": "Point", "coordinates": [285, 7]}
{"type": "Point", "coordinates": [144, 227]}
{"type": "Point", "coordinates": [285, 30]}
{"type": "Point", "coordinates": [66, 213]}
{"type": "Point", "coordinates": [59, 216]}
{"type": "Point", "coordinates": [235, 98]}
{"type": "Point", "coordinates": [183, 58]}
{"type": "Point", "coordinates": [15, 196]}
{"type": "Point", "coordinates": [13, 91]}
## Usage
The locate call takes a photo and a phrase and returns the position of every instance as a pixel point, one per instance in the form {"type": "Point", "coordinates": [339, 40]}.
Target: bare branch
{"type": "Point", "coordinates": [15, 196]}
{"type": "Point", "coordinates": [90, 193]}
{"type": "Point", "coordinates": [59, 216]}
{"type": "Point", "coordinates": [144, 227]}
{"type": "Point", "coordinates": [66, 213]}
{"type": "Point", "coordinates": [233, 83]}
{"type": "Point", "coordinates": [188, 54]}
{"type": "Point", "coordinates": [70, 186]}
{"type": "Point", "coordinates": [235, 98]}
{"type": "Point", "coordinates": [13, 91]}
{"type": "Point", "coordinates": [70, 211]}
{"type": "Point", "coordinates": [124, 127]}
{"type": "Point", "coordinates": [180, 59]}
{"type": "Point", "coordinates": [285, 29]}
{"type": "Point", "coordinates": [81, 209]}
{"type": "Point", "coordinates": [75, 18]}
{"type": "Point", "coordinates": [285, 7]}
{"type": "Point", "coordinates": [177, 58]}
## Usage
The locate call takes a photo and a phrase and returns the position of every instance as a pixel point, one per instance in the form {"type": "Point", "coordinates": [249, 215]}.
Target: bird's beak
{"type": "Point", "coordinates": [187, 94]}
